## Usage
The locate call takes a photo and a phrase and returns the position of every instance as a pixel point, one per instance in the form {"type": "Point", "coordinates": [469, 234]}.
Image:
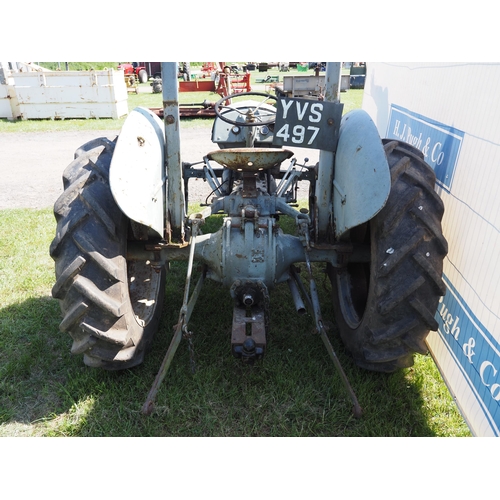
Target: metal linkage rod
{"type": "Point", "coordinates": [303, 229]}
{"type": "Point", "coordinates": [181, 327]}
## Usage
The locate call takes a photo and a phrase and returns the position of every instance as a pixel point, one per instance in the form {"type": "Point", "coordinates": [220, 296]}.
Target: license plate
{"type": "Point", "coordinates": [307, 123]}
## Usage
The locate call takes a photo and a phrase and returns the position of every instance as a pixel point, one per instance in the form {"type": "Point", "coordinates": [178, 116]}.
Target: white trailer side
{"type": "Point", "coordinates": [450, 112]}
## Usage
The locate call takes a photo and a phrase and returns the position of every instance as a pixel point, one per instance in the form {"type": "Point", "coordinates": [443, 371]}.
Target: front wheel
{"type": "Point", "coordinates": [143, 76]}
{"type": "Point", "coordinates": [110, 306]}
{"type": "Point", "coordinates": [385, 306]}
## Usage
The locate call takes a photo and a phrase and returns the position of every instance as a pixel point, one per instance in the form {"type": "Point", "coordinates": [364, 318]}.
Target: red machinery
{"type": "Point", "coordinates": [135, 69]}
{"type": "Point", "coordinates": [226, 82]}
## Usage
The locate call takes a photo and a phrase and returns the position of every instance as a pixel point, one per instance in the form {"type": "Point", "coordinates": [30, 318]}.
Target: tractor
{"type": "Point", "coordinates": [135, 71]}
{"type": "Point", "coordinates": [372, 222]}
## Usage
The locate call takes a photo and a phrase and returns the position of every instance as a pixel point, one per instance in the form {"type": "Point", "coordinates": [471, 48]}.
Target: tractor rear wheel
{"type": "Point", "coordinates": [111, 308]}
{"type": "Point", "coordinates": [385, 308]}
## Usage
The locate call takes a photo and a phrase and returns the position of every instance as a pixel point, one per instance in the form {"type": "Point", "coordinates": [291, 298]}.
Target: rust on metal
{"type": "Point", "coordinates": [248, 323]}
{"type": "Point", "coordinates": [190, 110]}
{"type": "Point", "coordinates": [250, 159]}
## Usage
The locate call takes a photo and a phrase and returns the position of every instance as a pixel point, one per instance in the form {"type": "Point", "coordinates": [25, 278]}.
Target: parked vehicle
{"type": "Point", "coordinates": [142, 70]}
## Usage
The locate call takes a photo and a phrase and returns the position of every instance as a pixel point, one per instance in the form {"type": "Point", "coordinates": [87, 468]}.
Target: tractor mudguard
{"type": "Point", "coordinates": [362, 180]}
{"type": "Point", "coordinates": [137, 174]}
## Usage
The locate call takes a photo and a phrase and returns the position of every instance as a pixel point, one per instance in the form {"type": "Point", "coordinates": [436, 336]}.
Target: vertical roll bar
{"type": "Point", "coordinates": [326, 158]}
{"type": "Point", "coordinates": [176, 210]}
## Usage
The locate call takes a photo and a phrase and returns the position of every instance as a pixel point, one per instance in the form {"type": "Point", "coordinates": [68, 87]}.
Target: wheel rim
{"type": "Point", "coordinates": [144, 289]}
{"type": "Point", "coordinates": [353, 281]}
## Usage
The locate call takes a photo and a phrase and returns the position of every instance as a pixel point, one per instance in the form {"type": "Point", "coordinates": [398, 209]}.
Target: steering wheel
{"type": "Point", "coordinates": [251, 119]}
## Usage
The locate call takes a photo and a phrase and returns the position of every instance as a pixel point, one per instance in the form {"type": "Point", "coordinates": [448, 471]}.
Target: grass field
{"type": "Point", "coordinates": [295, 391]}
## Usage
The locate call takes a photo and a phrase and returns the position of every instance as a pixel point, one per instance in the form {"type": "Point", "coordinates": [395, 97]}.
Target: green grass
{"type": "Point", "coordinates": [295, 391]}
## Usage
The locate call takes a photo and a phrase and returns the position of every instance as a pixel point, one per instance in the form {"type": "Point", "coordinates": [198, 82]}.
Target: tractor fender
{"type": "Point", "coordinates": [137, 173]}
{"type": "Point", "coordinates": [362, 180]}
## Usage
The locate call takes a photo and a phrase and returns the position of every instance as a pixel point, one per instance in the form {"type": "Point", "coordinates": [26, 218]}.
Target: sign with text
{"type": "Point", "coordinates": [440, 144]}
{"type": "Point", "coordinates": [476, 353]}
{"type": "Point", "coordinates": [307, 123]}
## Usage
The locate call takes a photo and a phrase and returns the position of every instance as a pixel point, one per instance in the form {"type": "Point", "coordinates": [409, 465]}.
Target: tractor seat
{"type": "Point", "coordinates": [250, 159]}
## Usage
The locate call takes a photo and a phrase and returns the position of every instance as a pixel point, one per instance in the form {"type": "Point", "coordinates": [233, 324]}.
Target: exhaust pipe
{"type": "Point", "coordinates": [297, 299]}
